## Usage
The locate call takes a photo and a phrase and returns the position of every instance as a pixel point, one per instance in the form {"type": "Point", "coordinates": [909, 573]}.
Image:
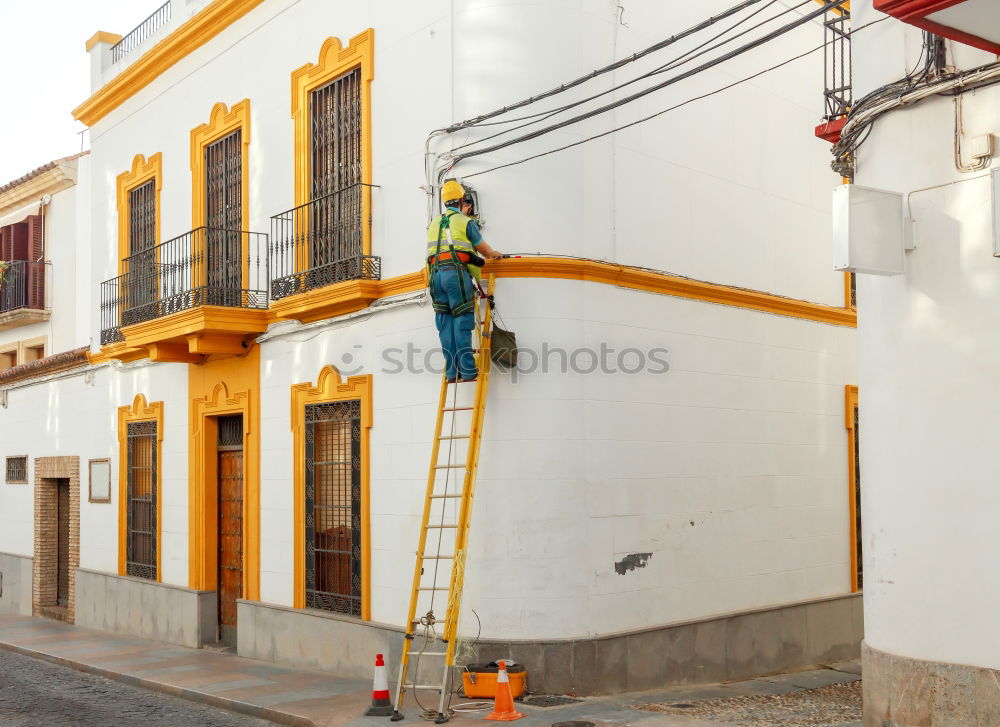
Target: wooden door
{"type": "Point", "coordinates": [62, 542]}
{"type": "Point", "coordinates": [230, 575]}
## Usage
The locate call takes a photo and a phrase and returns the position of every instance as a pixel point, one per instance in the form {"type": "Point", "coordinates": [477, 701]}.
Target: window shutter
{"type": "Point", "coordinates": [36, 237]}
{"type": "Point", "coordinates": [35, 249]}
{"type": "Point", "coordinates": [18, 241]}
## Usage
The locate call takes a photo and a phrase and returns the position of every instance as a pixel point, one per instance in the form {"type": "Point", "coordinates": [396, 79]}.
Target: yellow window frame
{"type": "Point", "coordinates": [140, 411]}
{"type": "Point", "coordinates": [330, 387]}
{"type": "Point", "coordinates": [334, 60]}
{"type": "Point", "coordinates": [222, 121]}
{"type": "Point", "coordinates": [141, 172]}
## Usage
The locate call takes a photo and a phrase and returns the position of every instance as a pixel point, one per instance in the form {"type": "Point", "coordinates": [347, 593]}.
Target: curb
{"type": "Point", "coordinates": [192, 695]}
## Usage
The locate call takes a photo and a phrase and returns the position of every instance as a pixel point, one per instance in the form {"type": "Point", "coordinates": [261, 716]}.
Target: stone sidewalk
{"type": "Point", "coordinates": [316, 699]}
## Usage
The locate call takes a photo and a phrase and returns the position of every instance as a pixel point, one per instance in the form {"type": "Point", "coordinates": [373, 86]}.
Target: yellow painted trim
{"type": "Point", "coordinates": [850, 403]}
{"type": "Point", "coordinates": [140, 411]}
{"type": "Point", "coordinates": [330, 387]}
{"type": "Point", "coordinates": [664, 284]}
{"type": "Point", "coordinates": [116, 352]}
{"type": "Point", "coordinates": [335, 60]}
{"type": "Point", "coordinates": [222, 121]}
{"type": "Point", "coordinates": [189, 36]}
{"type": "Point", "coordinates": [354, 295]}
{"type": "Point", "coordinates": [218, 388]}
{"type": "Point", "coordinates": [239, 322]}
{"type": "Point", "coordinates": [141, 172]}
{"type": "Point", "coordinates": [102, 36]}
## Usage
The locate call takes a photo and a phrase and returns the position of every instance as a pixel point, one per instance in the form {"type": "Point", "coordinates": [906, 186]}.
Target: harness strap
{"type": "Point", "coordinates": [468, 298]}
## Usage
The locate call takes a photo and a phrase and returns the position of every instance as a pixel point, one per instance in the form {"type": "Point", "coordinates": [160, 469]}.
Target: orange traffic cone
{"type": "Point", "coordinates": [381, 706]}
{"type": "Point", "coordinates": [503, 707]}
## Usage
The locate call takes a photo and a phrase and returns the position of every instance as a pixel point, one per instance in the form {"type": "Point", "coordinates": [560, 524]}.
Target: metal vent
{"type": "Point", "coordinates": [17, 469]}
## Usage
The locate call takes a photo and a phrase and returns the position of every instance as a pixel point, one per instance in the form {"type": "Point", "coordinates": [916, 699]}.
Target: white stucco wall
{"type": "Point", "coordinates": [927, 356]}
{"type": "Point", "coordinates": [749, 150]}
{"type": "Point", "coordinates": [71, 416]}
{"type": "Point", "coordinates": [744, 437]}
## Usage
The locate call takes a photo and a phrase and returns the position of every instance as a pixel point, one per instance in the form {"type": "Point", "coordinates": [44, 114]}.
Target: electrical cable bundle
{"type": "Point", "coordinates": [438, 166]}
{"type": "Point", "coordinates": [933, 79]}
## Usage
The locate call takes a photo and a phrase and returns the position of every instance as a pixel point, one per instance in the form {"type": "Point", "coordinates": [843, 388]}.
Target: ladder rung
{"type": "Point", "coordinates": [443, 497]}
{"type": "Point", "coordinates": [437, 557]}
{"type": "Point", "coordinates": [429, 653]}
{"type": "Point", "coordinates": [422, 686]}
{"type": "Point", "coordinates": [456, 436]}
{"type": "Point", "coordinates": [458, 408]}
{"type": "Point", "coordinates": [450, 466]}
{"type": "Point", "coordinates": [446, 526]}
{"type": "Point", "coordinates": [432, 588]}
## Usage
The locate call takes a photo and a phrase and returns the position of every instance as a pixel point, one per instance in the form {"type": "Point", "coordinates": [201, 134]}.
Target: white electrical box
{"type": "Point", "coordinates": [868, 230]}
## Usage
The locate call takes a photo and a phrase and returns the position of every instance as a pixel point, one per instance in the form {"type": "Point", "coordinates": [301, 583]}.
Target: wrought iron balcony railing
{"type": "Point", "coordinates": [22, 285]}
{"type": "Point", "coordinates": [206, 266]}
{"type": "Point", "coordinates": [139, 33]}
{"type": "Point", "coordinates": [320, 243]}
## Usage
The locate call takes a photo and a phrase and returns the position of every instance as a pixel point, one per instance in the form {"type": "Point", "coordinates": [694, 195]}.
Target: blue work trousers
{"type": "Point", "coordinates": [455, 331]}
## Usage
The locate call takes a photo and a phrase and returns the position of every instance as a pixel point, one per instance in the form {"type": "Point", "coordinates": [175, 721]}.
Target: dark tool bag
{"type": "Point", "coordinates": [504, 347]}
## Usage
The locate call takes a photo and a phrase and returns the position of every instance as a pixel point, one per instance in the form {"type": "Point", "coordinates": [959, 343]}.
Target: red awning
{"type": "Point", "coordinates": [973, 22]}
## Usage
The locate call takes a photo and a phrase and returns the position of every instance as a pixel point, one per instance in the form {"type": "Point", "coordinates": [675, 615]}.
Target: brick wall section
{"type": "Point", "coordinates": [47, 471]}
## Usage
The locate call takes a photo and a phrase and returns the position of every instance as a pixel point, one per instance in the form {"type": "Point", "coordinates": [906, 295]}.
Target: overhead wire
{"type": "Point", "coordinates": [675, 63]}
{"type": "Point", "coordinates": [605, 69]}
{"type": "Point", "coordinates": [645, 92]}
{"type": "Point", "coordinates": [663, 111]}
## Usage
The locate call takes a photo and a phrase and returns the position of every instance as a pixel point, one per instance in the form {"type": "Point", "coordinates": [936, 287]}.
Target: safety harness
{"type": "Point", "coordinates": [468, 296]}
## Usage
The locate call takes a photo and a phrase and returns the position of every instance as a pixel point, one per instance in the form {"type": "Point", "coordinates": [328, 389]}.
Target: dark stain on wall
{"type": "Point", "coordinates": [631, 562]}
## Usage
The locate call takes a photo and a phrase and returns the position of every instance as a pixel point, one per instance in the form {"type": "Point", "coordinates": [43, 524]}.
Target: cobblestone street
{"type": "Point", "coordinates": [34, 693]}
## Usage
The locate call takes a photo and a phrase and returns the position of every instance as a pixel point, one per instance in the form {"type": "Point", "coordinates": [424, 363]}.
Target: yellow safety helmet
{"type": "Point", "coordinates": [452, 190]}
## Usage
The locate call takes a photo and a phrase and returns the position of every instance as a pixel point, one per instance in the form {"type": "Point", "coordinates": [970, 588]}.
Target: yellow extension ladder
{"type": "Point", "coordinates": [451, 485]}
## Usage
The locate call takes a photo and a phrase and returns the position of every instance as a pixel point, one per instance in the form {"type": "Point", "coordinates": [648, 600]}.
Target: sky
{"type": "Point", "coordinates": [46, 74]}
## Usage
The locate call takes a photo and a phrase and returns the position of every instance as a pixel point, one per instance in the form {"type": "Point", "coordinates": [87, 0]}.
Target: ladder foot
{"type": "Point", "coordinates": [441, 718]}
{"type": "Point", "coordinates": [396, 716]}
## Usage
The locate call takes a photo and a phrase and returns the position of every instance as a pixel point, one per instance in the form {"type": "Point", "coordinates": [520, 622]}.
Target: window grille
{"type": "Point", "coordinates": [141, 264]}
{"type": "Point", "coordinates": [335, 116]}
{"type": "Point", "coordinates": [140, 542]}
{"type": "Point", "coordinates": [231, 431]}
{"type": "Point", "coordinates": [17, 470]}
{"type": "Point", "coordinates": [333, 506]}
{"type": "Point", "coordinates": [224, 219]}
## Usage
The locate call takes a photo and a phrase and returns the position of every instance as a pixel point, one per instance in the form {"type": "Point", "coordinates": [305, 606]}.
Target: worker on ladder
{"type": "Point", "coordinates": [455, 256]}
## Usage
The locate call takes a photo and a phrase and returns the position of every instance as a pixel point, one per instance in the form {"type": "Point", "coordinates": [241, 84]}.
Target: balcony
{"type": "Point", "coordinates": [973, 22]}
{"type": "Point", "coordinates": [22, 294]}
{"type": "Point", "coordinates": [317, 256]}
{"type": "Point", "coordinates": [200, 293]}
{"type": "Point", "coordinates": [139, 34]}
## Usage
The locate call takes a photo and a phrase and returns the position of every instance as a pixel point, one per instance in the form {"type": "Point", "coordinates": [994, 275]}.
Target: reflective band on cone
{"type": "Point", "coordinates": [503, 707]}
{"type": "Point", "coordinates": [381, 706]}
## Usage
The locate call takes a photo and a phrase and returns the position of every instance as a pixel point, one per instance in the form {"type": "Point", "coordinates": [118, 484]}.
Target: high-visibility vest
{"type": "Point", "coordinates": [436, 234]}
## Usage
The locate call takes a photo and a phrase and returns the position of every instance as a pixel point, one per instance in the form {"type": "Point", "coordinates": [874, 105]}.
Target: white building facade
{"type": "Point", "coordinates": [926, 358]}
{"type": "Point", "coordinates": [664, 491]}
